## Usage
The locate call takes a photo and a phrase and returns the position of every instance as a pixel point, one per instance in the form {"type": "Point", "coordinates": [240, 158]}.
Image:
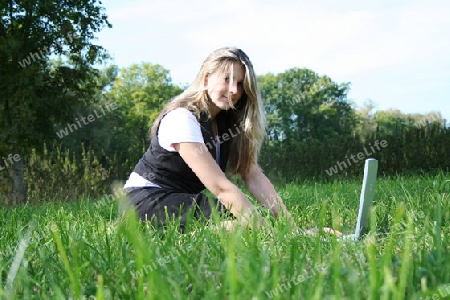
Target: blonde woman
{"type": "Point", "coordinates": [217, 123]}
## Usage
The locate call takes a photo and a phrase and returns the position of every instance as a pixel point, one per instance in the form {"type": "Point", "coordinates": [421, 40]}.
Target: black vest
{"type": "Point", "coordinates": [168, 170]}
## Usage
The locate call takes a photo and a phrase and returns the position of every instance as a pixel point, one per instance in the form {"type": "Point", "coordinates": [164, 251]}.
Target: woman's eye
{"type": "Point", "coordinates": [227, 79]}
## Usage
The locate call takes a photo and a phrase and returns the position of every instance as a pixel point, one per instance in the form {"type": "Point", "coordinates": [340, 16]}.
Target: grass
{"type": "Point", "coordinates": [80, 251]}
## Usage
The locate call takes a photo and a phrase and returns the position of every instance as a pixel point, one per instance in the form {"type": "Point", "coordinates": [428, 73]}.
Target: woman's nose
{"type": "Point", "coordinates": [234, 88]}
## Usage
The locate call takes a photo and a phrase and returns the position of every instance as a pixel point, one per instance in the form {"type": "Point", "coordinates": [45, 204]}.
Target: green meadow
{"type": "Point", "coordinates": [81, 250]}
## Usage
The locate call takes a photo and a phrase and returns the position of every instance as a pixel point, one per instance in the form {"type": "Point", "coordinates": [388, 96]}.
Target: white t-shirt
{"type": "Point", "coordinates": [177, 126]}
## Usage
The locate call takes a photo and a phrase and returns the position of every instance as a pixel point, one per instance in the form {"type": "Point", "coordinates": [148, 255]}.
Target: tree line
{"type": "Point", "coordinates": [69, 128]}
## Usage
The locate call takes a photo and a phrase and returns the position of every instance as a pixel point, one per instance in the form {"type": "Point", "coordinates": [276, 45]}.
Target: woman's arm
{"type": "Point", "coordinates": [262, 189]}
{"type": "Point", "coordinates": [201, 162]}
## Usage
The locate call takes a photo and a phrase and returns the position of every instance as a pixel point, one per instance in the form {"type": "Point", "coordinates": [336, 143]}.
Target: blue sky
{"type": "Point", "coordinates": [395, 53]}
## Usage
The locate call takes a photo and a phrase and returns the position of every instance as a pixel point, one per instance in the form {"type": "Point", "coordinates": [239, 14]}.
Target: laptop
{"type": "Point", "coordinates": [365, 201]}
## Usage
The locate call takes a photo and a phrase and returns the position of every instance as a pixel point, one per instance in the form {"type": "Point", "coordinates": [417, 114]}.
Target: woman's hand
{"type": "Point", "coordinates": [253, 219]}
{"type": "Point", "coordinates": [263, 191]}
{"type": "Point", "coordinates": [315, 231]}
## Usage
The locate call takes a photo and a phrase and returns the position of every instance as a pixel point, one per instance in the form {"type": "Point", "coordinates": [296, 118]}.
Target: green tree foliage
{"type": "Point", "coordinates": [34, 93]}
{"type": "Point", "coordinates": [141, 91]}
{"type": "Point", "coordinates": [387, 122]}
{"type": "Point", "coordinates": [365, 120]}
{"type": "Point", "coordinates": [313, 128]}
{"type": "Point", "coordinates": [302, 105]}
{"type": "Point", "coordinates": [304, 110]}
{"type": "Point", "coordinates": [93, 133]}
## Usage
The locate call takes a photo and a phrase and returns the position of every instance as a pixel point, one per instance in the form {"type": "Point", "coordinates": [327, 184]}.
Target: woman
{"type": "Point", "coordinates": [217, 123]}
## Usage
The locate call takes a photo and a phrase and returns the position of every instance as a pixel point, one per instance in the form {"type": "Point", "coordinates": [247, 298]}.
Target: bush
{"type": "Point", "coordinates": [58, 174]}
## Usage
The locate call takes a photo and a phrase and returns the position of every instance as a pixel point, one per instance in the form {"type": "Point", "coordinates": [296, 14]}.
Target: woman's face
{"type": "Point", "coordinates": [218, 85]}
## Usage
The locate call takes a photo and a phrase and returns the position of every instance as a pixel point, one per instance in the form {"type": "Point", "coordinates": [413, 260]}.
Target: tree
{"type": "Point", "coordinates": [389, 122]}
{"type": "Point", "coordinates": [89, 126]}
{"type": "Point", "coordinates": [302, 105]}
{"type": "Point", "coordinates": [141, 91]}
{"type": "Point", "coordinates": [365, 120]}
{"type": "Point", "coordinates": [309, 121]}
{"type": "Point", "coordinates": [35, 93]}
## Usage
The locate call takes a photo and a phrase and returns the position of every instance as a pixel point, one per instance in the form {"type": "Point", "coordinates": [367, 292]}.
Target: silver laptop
{"type": "Point", "coordinates": [365, 200]}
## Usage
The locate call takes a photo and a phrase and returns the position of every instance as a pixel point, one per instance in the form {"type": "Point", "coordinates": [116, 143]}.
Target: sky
{"type": "Point", "coordinates": [394, 53]}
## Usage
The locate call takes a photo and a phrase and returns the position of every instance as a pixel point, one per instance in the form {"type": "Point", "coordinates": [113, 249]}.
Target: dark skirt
{"type": "Point", "coordinates": [160, 206]}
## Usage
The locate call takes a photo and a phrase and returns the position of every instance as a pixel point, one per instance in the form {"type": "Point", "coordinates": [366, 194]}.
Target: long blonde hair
{"type": "Point", "coordinates": [244, 148]}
